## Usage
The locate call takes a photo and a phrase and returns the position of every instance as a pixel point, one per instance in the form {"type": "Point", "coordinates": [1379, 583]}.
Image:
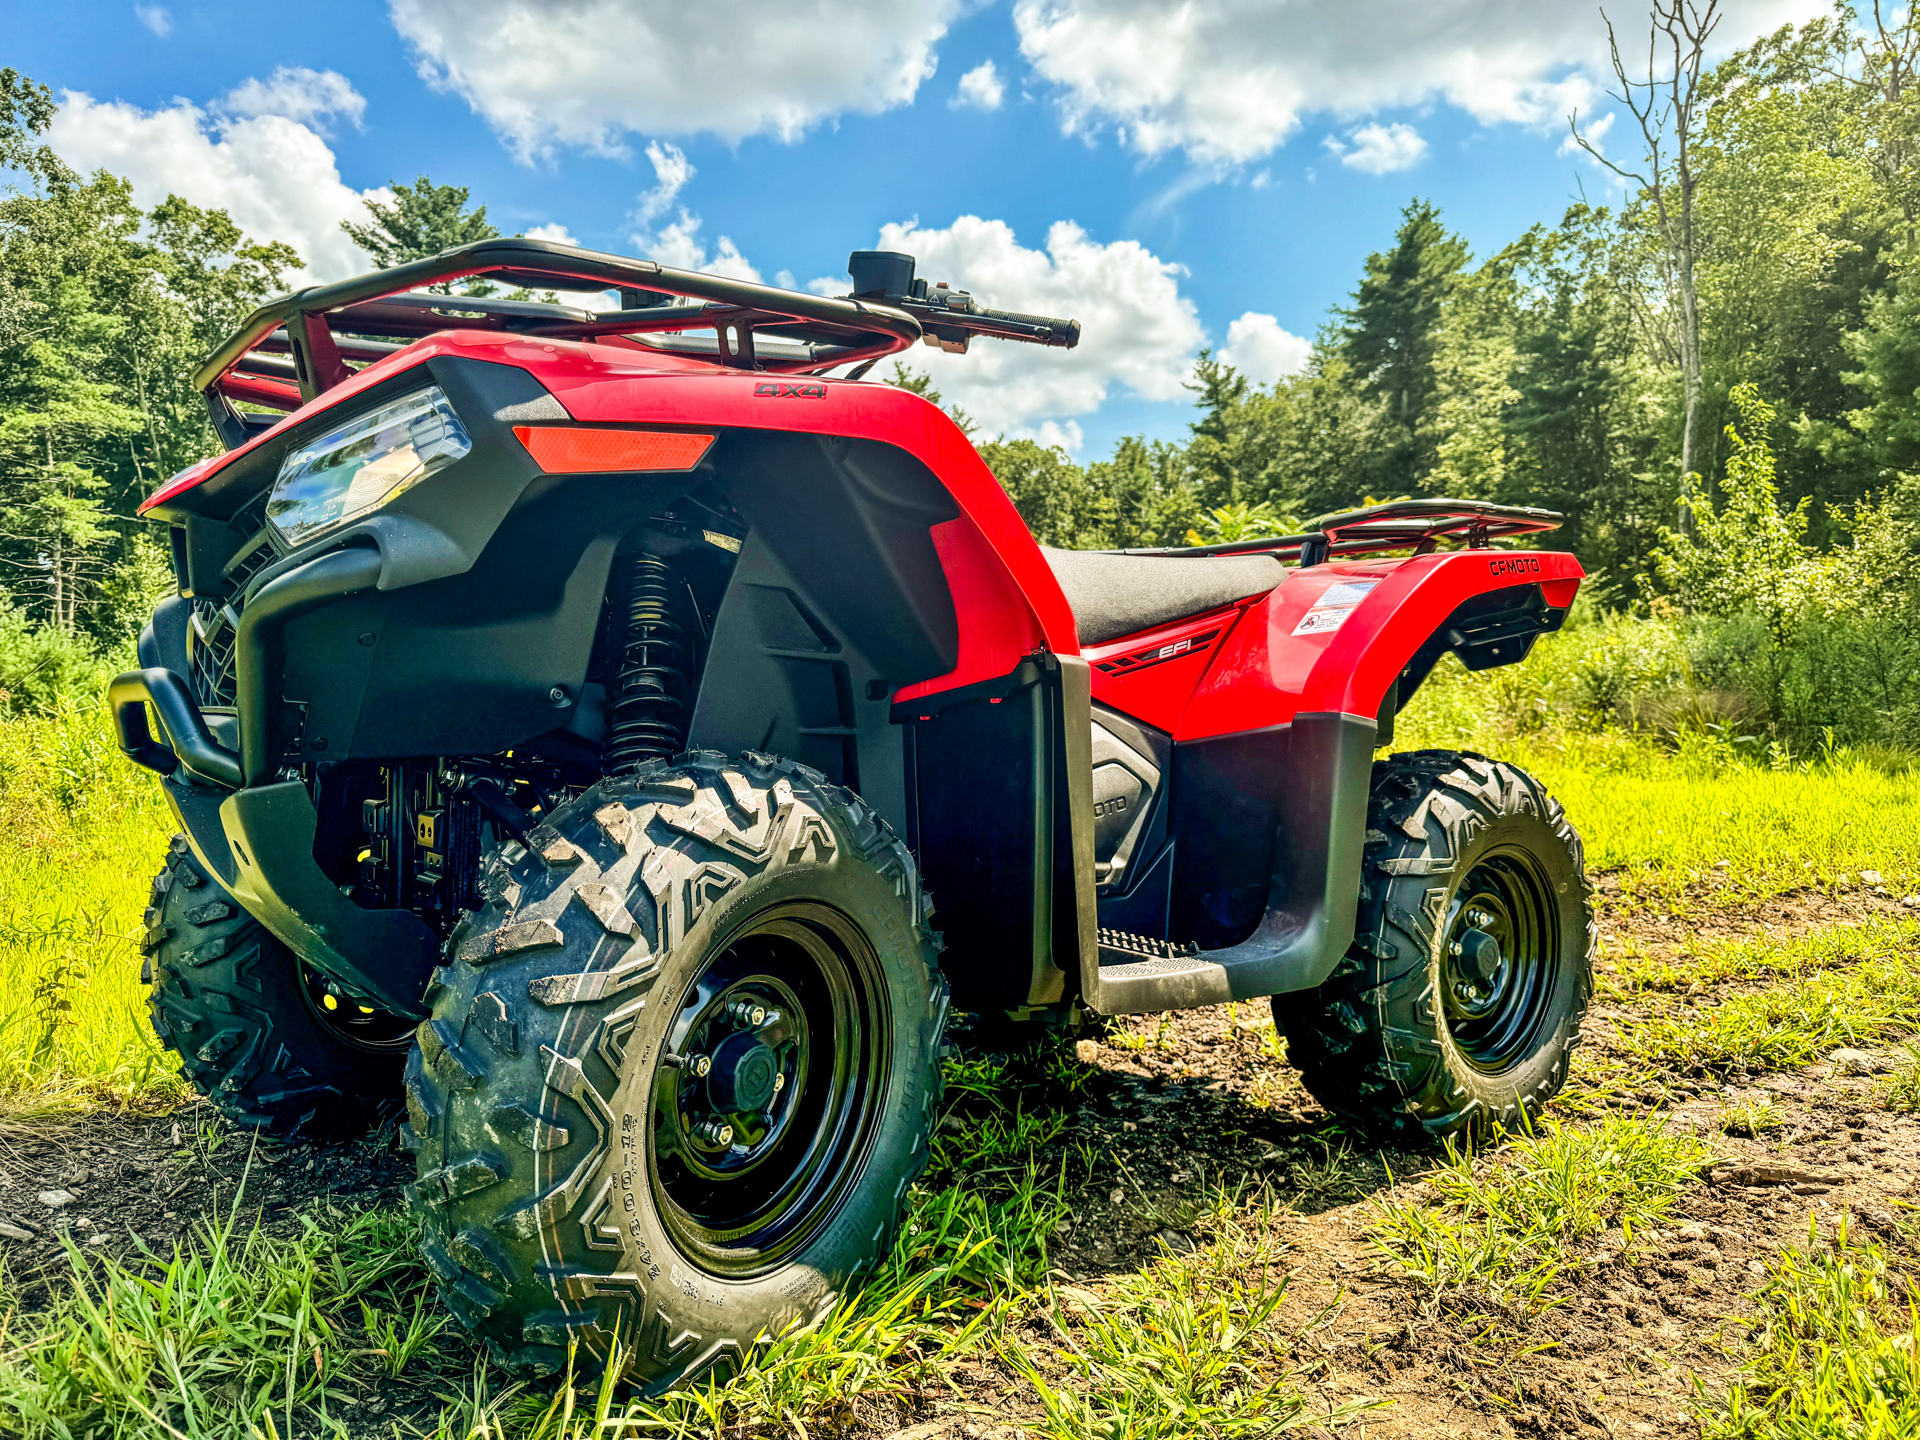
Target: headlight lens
{"type": "Point", "coordinates": [364, 463]}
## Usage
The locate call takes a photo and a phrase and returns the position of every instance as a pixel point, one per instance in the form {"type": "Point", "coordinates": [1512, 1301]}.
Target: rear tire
{"type": "Point", "coordinates": [681, 1071]}
{"type": "Point", "coordinates": [251, 1025]}
{"type": "Point", "coordinates": [1459, 1004]}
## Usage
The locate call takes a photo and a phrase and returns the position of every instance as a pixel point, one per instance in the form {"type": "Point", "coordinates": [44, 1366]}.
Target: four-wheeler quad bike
{"type": "Point", "coordinates": [571, 714]}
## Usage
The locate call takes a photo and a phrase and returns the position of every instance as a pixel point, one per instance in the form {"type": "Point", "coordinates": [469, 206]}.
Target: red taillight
{"type": "Point", "coordinates": [568, 450]}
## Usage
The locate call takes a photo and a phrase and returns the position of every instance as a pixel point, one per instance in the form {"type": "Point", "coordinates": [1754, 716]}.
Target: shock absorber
{"type": "Point", "coordinates": [650, 691]}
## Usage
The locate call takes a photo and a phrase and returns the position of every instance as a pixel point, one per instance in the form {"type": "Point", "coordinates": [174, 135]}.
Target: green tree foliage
{"type": "Point", "coordinates": [104, 311]}
{"type": "Point", "coordinates": [1390, 335]}
{"type": "Point", "coordinates": [423, 220]}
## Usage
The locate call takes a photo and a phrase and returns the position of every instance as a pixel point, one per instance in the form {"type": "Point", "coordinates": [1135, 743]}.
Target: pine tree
{"type": "Point", "coordinates": [1389, 334]}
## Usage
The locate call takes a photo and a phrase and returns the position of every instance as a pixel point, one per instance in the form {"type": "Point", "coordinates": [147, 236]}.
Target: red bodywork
{"type": "Point", "coordinates": [1232, 669]}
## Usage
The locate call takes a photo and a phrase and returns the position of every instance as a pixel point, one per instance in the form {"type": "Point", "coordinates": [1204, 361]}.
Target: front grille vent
{"type": "Point", "coordinates": [211, 632]}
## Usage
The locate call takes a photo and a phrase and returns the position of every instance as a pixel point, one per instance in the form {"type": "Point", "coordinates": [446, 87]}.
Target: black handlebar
{"type": "Point", "coordinates": [949, 317]}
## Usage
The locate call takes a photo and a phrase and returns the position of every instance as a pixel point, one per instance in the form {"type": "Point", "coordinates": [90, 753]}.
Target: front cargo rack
{"type": "Point", "coordinates": [296, 348]}
{"type": "Point", "coordinates": [1419, 525]}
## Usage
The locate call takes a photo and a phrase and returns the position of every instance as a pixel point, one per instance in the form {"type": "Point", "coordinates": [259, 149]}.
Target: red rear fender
{"type": "Point", "coordinates": [1333, 638]}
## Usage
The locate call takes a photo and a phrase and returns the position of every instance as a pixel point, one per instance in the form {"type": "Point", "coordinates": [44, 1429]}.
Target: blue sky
{"type": "Point", "coordinates": [1174, 176]}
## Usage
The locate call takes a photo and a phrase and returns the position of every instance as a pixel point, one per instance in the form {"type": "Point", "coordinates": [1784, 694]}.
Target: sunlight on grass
{"type": "Point", "coordinates": [1188, 1346]}
{"type": "Point", "coordinates": [1505, 1231]}
{"type": "Point", "coordinates": [1791, 1024]}
{"type": "Point", "coordinates": [1695, 967]}
{"type": "Point", "coordinates": [229, 1327]}
{"type": "Point", "coordinates": [1836, 1350]}
{"type": "Point", "coordinates": [1662, 810]}
{"type": "Point", "coordinates": [85, 833]}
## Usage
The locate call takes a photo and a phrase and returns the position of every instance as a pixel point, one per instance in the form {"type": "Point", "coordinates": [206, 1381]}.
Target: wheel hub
{"type": "Point", "coordinates": [1499, 954]}
{"type": "Point", "coordinates": [1480, 972]}
{"type": "Point", "coordinates": [767, 1087]}
{"type": "Point", "coordinates": [732, 1090]}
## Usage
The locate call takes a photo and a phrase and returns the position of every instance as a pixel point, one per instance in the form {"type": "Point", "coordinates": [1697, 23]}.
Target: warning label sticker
{"type": "Point", "coordinates": [1335, 605]}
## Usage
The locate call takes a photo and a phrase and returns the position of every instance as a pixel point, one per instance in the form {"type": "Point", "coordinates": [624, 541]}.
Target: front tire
{"type": "Point", "coordinates": [1458, 1006]}
{"type": "Point", "coordinates": [257, 1033]}
{"type": "Point", "coordinates": [681, 1070]}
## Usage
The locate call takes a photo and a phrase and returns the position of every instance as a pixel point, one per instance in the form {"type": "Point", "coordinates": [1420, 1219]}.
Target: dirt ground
{"type": "Point", "coordinates": [1205, 1102]}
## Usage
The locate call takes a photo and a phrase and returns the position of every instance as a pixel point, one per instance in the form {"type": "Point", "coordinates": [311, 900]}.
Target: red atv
{"type": "Point", "coordinates": [568, 713]}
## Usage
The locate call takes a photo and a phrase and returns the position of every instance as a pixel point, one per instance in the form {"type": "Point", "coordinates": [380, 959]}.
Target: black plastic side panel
{"type": "Point", "coordinates": [849, 520]}
{"type": "Point", "coordinates": [1225, 810]}
{"type": "Point", "coordinates": [782, 677]}
{"type": "Point", "coordinates": [1308, 919]}
{"type": "Point", "coordinates": [984, 797]}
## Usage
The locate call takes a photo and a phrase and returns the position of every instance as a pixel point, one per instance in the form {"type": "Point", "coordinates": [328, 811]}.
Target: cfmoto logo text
{"type": "Point", "coordinates": [1515, 565]}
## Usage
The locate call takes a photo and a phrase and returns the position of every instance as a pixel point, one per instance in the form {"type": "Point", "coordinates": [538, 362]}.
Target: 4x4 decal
{"type": "Point", "coordinates": [789, 389]}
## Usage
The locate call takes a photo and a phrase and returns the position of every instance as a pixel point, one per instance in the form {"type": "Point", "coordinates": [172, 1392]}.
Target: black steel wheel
{"type": "Point", "coordinates": [765, 1097]}
{"type": "Point", "coordinates": [1460, 1002]}
{"type": "Point", "coordinates": [681, 1070]}
{"type": "Point", "coordinates": [249, 1021]}
{"type": "Point", "coordinates": [1499, 958]}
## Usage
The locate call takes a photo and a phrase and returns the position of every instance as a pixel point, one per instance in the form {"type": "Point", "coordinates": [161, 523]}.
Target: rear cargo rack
{"type": "Point", "coordinates": [1420, 525]}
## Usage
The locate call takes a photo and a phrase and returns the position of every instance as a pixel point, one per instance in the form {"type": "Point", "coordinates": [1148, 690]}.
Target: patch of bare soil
{"type": "Point", "coordinates": [113, 1183]}
{"type": "Point", "coordinates": [1180, 1103]}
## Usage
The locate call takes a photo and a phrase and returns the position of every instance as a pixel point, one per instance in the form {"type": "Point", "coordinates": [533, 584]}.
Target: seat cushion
{"type": "Point", "coordinates": [1116, 595]}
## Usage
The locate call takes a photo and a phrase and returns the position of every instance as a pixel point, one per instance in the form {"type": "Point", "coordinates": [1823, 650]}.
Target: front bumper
{"type": "Point", "coordinates": [257, 834]}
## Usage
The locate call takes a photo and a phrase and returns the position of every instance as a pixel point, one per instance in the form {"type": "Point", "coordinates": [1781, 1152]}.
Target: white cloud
{"type": "Point", "coordinates": [156, 18]}
{"type": "Point", "coordinates": [678, 242]}
{"type": "Point", "coordinates": [1137, 330]}
{"type": "Point", "coordinates": [1262, 351]}
{"type": "Point", "coordinates": [588, 72]}
{"type": "Point", "coordinates": [1228, 81]}
{"type": "Point", "coordinates": [1380, 149]}
{"type": "Point", "coordinates": [558, 234]}
{"type": "Point", "coordinates": [275, 176]}
{"type": "Point", "coordinates": [311, 97]}
{"type": "Point", "coordinates": [1068, 436]}
{"type": "Point", "coordinates": [980, 88]}
{"type": "Point", "coordinates": [672, 171]}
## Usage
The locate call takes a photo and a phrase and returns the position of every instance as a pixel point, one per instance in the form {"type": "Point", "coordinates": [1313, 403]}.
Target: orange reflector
{"type": "Point", "coordinates": [567, 450]}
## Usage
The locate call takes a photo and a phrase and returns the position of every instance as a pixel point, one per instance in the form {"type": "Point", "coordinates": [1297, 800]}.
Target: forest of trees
{"type": "Point", "coordinates": [1760, 276]}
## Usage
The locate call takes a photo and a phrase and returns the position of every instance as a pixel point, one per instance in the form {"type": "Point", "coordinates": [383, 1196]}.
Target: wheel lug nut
{"type": "Point", "coordinates": [715, 1133]}
{"type": "Point", "coordinates": [780, 1080]}
{"type": "Point", "coordinates": [746, 1013]}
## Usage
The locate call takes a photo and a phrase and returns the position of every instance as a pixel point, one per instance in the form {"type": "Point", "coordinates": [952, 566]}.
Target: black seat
{"type": "Point", "coordinates": [1116, 595]}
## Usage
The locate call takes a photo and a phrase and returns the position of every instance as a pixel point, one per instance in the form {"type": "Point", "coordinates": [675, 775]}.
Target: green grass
{"type": "Point", "coordinates": [1177, 1350]}
{"type": "Point", "coordinates": [1834, 1348]}
{"type": "Point", "coordinates": [1901, 1091]}
{"type": "Point", "coordinates": [1695, 967]}
{"type": "Point", "coordinates": [237, 1333]}
{"type": "Point", "coordinates": [220, 1334]}
{"type": "Point", "coordinates": [1790, 1024]}
{"type": "Point", "coordinates": [85, 831]}
{"type": "Point", "coordinates": [1500, 1235]}
{"type": "Point", "coordinates": [1663, 812]}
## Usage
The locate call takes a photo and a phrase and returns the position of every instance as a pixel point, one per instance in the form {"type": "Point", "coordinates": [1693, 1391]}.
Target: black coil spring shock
{"type": "Point", "coordinates": [647, 722]}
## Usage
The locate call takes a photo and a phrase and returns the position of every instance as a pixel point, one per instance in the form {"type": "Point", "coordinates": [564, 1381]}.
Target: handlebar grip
{"type": "Point", "coordinates": [1043, 329]}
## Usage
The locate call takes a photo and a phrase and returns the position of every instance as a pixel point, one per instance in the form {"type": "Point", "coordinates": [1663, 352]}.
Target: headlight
{"type": "Point", "coordinates": [364, 463]}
